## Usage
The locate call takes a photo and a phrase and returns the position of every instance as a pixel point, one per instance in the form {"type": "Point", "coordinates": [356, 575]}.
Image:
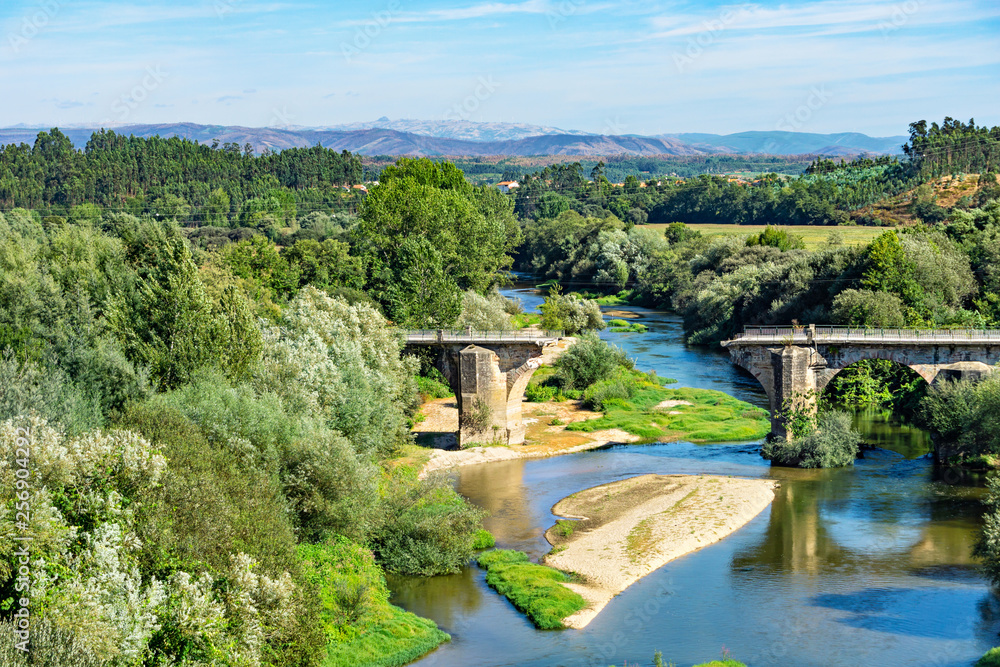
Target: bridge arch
{"type": "Point", "coordinates": [795, 363]}
{"type": "Point", "coordinates": [825, 380]}
{"type": "Point", "coordinates": [488, 370]}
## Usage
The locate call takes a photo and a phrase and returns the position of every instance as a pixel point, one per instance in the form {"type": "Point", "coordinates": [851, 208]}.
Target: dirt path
{"type": "Point", "coordinates": [630, 528]}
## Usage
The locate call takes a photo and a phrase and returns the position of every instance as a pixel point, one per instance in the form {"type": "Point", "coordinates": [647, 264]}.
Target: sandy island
{"type": "Point", "coordinates": [630, 528]}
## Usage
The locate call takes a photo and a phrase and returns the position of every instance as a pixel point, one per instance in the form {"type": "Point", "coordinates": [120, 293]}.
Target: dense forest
{"type": "Point", "coordinates": [177, 178]}
{"type": "Point", "coordinates": [186, 327]}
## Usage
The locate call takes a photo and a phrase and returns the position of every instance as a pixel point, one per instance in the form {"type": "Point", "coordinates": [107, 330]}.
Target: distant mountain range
{"type": "Point", "coordinates": [466, 138]}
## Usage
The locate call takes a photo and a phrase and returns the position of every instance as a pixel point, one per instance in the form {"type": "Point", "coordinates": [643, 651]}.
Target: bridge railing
{"type": "Point", "coordinates": [435, 335]}
{"type": "Point", "coordinates": [832, 333]}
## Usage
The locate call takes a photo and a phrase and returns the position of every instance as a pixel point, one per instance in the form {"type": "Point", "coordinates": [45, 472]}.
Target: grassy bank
{"type": "Point", "coordinates": [698, 415]}
{"type": "Point", "coordinates": [536, 590]}
{"type": "Point", "coordinates": [401, 638]}
{"type": "Point", "coordinates": [361, 627]}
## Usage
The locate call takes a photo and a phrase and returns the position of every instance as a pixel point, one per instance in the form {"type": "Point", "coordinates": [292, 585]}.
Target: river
{"type": "Point", "coordinates": [867, 565]}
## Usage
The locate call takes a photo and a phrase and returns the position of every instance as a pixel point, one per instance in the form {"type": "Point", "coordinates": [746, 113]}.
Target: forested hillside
{"type": "Point", "coordinates": [176, 177]}
{"type": "Point", "coordinates": [829, 193]}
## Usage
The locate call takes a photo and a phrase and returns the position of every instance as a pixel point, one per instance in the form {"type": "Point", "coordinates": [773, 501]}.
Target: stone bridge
{"type": "Point", "coordinates": [794, 364]}
{"type": "Point", "coordinates": [489, 371]}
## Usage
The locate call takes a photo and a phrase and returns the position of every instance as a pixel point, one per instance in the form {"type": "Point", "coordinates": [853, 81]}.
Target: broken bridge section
{"type": "Point", "coordinates": [489, 371]}
{"type": "Point", "coordinates": [794, 364]}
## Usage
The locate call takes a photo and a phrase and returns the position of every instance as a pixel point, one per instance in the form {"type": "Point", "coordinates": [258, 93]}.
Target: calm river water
{"type": "Point", "coordinates": [867, 565]}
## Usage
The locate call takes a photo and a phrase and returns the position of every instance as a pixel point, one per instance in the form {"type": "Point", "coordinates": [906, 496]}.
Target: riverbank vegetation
{"type": "Point", "coordinates": [604, 379]}
{"type": "Point", "coordinates": [157, 377]}
{"type": "Point", "coordinates": [536, 590]}
{"type": "Point", "coordinates": [828, 440]}
{"type": "Point", "coordinates": [639, 405]}
{"type": "Point", "coordinates": [964, 417]}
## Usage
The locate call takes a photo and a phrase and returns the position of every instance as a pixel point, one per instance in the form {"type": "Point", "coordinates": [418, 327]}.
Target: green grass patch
{"type": "Point", "coordinates": [536, 590]}
{"type": "Point", "coordinates": [483, 539]}
{"type": "Point", "coordinates": [525, 320]}
{"type": "Point", "coordinates": [430, 388]}
{"type": "Point", "coordinates": [539, 393]}
{"type": "Point", "coordinates": [399, 640]}
{"type": "Point", "coordinates": [620, 299]}
{"type": "Point", "coordinates": [565, 527]}
{"type": "Point", "coordinates": [712, 416]}
{"type": "Point", "coordinates": [624, 326]}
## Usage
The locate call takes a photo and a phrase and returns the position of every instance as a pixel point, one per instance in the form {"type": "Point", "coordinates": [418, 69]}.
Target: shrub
{"type": "Point", "coordinates": [485, 313]}
{"type": "Point", "coordinates": [479, 418]}
{"type": "Point", "coordinates": [570, 314]}
{"type": "Point", "coordinates": [341, 363]}
{"type": "Point", "coordinates": [776, 238]}
{"type": "Point", "coordinates": [987, 547]}
{"type": "Point", "coordinates": [990, 659]}
{"type": "Point", "coordinates": [833, 444]}
{"type": "Point", "coordinates": [622, 386]}
{"type": "Point", "coordinates": [352, 591]}
{"type": "Point", "coordinates": [589, 361]}
{"type": "Point", "coordinates": [431, 388]}
{"type": "Point", "coordinates": [539, 393]}
{"type": "Point", "coordinates": [868, 308]}
{"type": "Point", "coordinates": [28, 387]}
{"type": "Point", "coordinates": [426, 528]}
{"type": "Point", "coordinates": [483, 539]}
{"type": "Point", "coordinates": [965, 415]}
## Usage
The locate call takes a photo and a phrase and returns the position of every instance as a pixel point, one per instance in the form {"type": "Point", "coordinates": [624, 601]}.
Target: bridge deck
{"type": "Point", "coordinates": [860, 335]}
{"type": "Point", "coordinates": [437, 337]}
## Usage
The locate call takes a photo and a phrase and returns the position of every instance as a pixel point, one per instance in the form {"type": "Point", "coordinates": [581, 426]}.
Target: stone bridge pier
{"type": "Point", "coordinates": [489, 373]}
{"type": "Point", "coordinates": [794, 365]}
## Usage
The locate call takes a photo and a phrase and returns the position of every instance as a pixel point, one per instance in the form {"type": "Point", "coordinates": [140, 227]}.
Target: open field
{"type": "Point", "coordinates": [814, 236]}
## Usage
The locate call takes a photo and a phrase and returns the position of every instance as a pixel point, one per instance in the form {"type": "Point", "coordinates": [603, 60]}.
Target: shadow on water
{"type": "Point", "coordinates": [868, 565]}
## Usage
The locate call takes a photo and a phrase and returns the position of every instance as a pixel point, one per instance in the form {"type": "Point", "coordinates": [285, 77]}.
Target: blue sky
{"type": "Point", "coordinates": [613, 67]}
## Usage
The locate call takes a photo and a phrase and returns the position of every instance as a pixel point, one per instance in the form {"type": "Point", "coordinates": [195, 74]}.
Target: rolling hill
{"type": "Point", "coordinates": [465, 138]}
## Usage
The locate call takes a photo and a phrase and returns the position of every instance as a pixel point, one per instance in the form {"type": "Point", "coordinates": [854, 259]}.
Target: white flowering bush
{"type": "Point", "coordinates": [230, 618]}
{"type": "Point", "coordinates": [84, 572]}
{"type": "Point", "coordinates": [88, 591]}
{"type": "Point", "coordinates": [342, 362]}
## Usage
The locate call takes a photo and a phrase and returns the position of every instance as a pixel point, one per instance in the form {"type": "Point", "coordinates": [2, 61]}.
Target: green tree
{"type": "Point", "coordinates": [424, 211]}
